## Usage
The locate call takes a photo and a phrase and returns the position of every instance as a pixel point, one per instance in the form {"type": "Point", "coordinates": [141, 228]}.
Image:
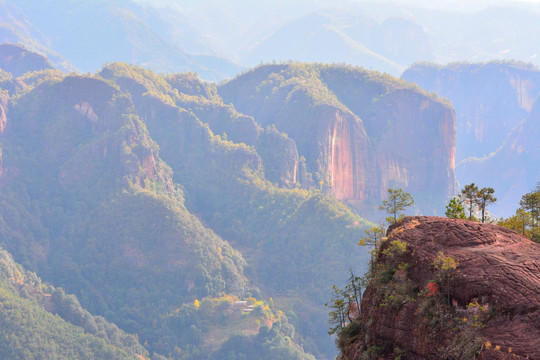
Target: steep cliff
{"type": "Point", "coordinates": [359, 131]}
{"type": "Point", "coordinates": [515, 163]}
{"type": "Point", "coordinates": [451, 289]}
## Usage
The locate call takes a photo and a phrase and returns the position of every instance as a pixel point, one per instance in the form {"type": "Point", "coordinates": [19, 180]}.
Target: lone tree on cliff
{"type": "Point", "coordinates": [469, 194]}
{"type": "Point", "coordinates": [397, 201]}
{"type": "Point", "coordinates": [484, 198]}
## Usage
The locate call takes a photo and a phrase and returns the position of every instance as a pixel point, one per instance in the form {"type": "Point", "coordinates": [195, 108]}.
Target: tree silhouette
{"type": "Point", "coordinates": [484, 198]}
{"type": "Point", "coordinates": [469, 195]}
{"type": "Point", "coordinates": [397, 201]}
{"type": "Point", "coordinates": [531, 202]}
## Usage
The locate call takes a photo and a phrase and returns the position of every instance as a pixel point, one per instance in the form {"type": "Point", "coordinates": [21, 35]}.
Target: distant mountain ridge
{"type": "Point", "coordinates": [17, 60]}
{"type": "Point", "coordinates": [497, 123]}
{"type": "Point", "coordinates": [109, 31]}
{"type": "Point", "coordinates": [342, 38]}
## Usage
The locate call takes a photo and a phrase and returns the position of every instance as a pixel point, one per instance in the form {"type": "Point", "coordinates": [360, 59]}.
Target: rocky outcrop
{"type": "Point", "coordinates": [280, 157]}
{"type": "Point", "coordinates": [488, 306]}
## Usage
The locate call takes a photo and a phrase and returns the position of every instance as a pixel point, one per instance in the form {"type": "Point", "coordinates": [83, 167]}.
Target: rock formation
{"type": "Point", "coordinates": [488, 305]}
{"type": "Point", "coordinates": [360, 132]}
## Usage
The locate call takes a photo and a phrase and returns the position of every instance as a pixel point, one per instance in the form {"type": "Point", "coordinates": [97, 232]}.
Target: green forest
{"type": "Point", "coordinates": [115, 190]}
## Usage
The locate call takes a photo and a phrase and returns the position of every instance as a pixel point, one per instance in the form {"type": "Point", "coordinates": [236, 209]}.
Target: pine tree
{"type": "Point", "coordinates": [469, 195]}
{"type": "Point", "coordinates": [397, 201]}
{"type": "Point", "coordinates": [455, 209]}
{"type": "Point", "coordinates": [484, 198]}
{"type": "Point", "coordinates": [531, 202]}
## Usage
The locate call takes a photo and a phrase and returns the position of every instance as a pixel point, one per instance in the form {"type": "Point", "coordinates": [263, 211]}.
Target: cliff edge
{"type": "Point", "coordinates": [449, 289]}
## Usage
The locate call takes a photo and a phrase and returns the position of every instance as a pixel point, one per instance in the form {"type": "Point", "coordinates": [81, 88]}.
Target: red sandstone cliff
{"type": "Point", "coordinates": [4, 98]}
{"type": "Point", "coordinates": [494, 292]}
{"type": "Point", "coordinates": [361, 132]}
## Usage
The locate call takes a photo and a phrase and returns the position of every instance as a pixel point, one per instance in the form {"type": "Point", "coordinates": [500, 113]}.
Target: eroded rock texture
{"type": "Point", "coordinates": [494, 295]}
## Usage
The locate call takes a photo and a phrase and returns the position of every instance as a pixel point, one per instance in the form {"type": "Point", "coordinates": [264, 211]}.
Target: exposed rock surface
{"type": "Point", "coordinates": [360, 132]}
{"type": "Point", "coordinates": [498, 270]}
{"type": "Point", "coordinates": [4, 98]}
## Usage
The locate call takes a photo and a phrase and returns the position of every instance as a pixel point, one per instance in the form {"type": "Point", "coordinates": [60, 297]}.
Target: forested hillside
{"type": "Point", "coordinates": [171, 208]}
{"type": "Point", "coordinates": [89, 205]}
{"type": "Point", "coordinates": [96, 175]}
{"type": "Point", "coordinates": [40, 321]}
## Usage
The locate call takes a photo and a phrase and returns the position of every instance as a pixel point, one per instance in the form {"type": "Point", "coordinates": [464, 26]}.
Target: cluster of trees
{"type": "Point", "coordinates": [526, 220]}
{"type": "Point", "coordinates": [345, 303]}
{"type": "Point", "coordinates": [474, 198]}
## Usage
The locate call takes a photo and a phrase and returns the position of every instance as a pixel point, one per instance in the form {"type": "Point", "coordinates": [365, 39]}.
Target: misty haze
{"type": "Point", "coordinates": [295, 180]}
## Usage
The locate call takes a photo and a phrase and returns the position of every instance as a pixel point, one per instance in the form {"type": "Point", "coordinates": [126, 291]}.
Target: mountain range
{"type": "Point", "coordinates": [158, 200]}
{"type": "Point", "coordinates": [145, 194]}
{"type": "Point", "coordinates": [218, 39]}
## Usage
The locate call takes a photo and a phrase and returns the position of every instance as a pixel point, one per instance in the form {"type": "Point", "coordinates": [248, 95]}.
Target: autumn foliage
{"type": "Point", "coordinates": [432, 289]}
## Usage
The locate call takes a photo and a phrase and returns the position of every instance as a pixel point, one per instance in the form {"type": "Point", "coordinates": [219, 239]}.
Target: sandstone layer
{"type": "Point", "coordinates": [493, 296]}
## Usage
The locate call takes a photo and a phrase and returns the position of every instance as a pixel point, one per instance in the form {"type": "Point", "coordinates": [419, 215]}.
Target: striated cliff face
{"type": "Point", "coordinates": [359, 131]}
{"type": "Point", "coordinates": [489, 305]}
{"type": "Point", "coordinates": [346, 154]}
{"type": "Point", "coordinates": [4, 99]}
